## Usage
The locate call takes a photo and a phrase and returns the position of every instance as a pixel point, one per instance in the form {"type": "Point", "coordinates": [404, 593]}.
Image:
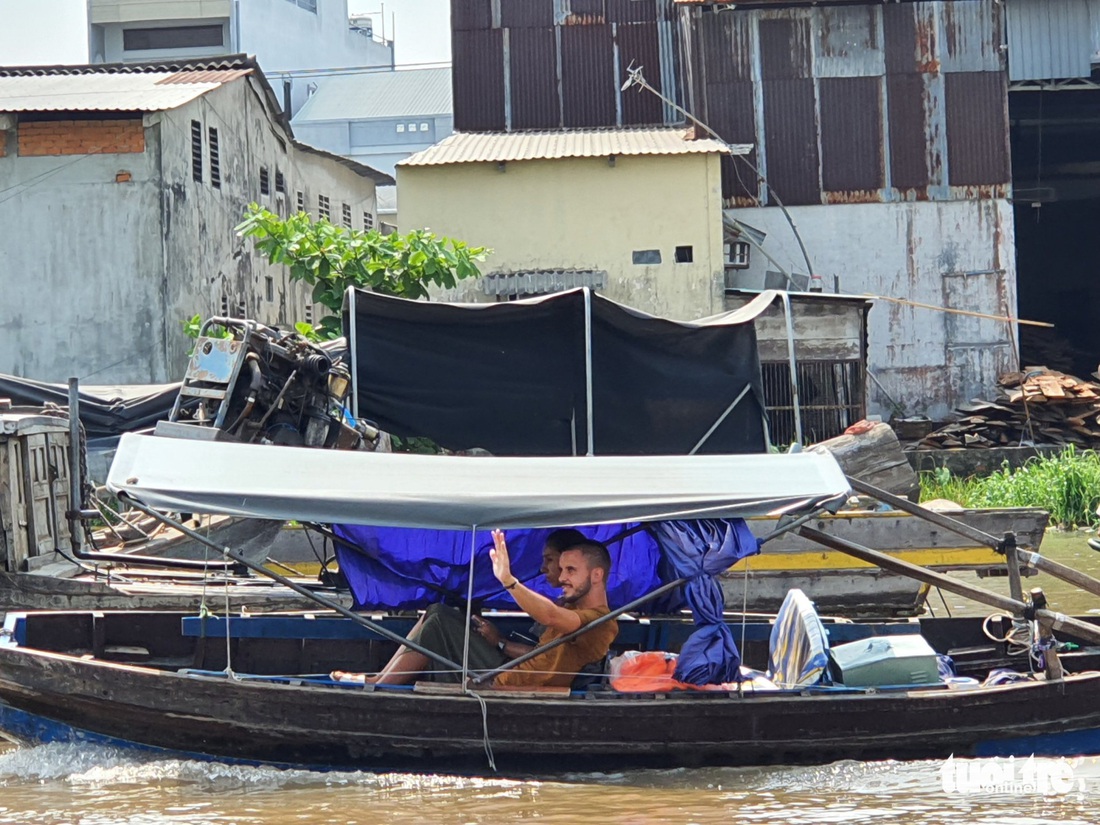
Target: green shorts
{"type": "Point", "coordinates": [444, 632]}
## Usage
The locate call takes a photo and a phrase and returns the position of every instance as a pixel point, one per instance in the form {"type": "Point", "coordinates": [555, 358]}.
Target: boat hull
{"type": "Point", "coordinates": [48, 695]}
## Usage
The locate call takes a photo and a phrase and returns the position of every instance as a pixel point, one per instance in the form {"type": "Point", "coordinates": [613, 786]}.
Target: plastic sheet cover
{"type": "Point", "coordinates": [511, 378]}
{"type": "Point", "coordinates": [460, 492]}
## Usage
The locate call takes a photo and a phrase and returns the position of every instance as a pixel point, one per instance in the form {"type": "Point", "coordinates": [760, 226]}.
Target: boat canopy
{"type": "Point", "coordinates": [461, 492]}
{"type": "Point", "coordinates": [420, 518]}
{"type": "Point", "coordinates": [566, 374]}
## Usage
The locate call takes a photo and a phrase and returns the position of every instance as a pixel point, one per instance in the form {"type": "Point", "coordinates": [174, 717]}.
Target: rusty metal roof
{"type": "Point", "coordinates": [501, 147]}
{"type": "Point", "coordinates": [149, 87]}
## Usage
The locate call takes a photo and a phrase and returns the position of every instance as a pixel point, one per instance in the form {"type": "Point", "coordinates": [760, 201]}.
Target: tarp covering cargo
{"type": "Point", "coordinates": [520, 378]}
{"type": "Point", "coordinates": [105, 410]}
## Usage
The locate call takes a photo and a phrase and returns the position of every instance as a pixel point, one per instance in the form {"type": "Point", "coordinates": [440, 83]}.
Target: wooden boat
{"type": "Point", "coordinates": [153, 680]}
{"type": "Point", "coordinates": [156, 681]}
{"type": "Point", "coordinates": [843, 586]}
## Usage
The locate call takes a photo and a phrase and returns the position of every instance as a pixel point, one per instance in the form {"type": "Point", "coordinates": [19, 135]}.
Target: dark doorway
{"type": "Point", "coordinates": [1056, 186]}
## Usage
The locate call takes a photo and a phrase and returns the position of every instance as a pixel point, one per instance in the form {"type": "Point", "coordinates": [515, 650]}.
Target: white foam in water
{"type": "Point", "coordinates": [86, 764]}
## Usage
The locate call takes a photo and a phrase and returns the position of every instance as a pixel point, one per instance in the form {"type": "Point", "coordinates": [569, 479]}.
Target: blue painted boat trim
{"type": "Point", "coordinates": [1071, 743]}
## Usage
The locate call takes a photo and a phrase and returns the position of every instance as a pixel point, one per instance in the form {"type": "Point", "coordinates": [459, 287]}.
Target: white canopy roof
{"type": "Point", "coordinates": [457, 492]}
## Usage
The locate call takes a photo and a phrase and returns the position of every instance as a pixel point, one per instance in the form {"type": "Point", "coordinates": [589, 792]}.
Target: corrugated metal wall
{"type": "Point", "coordinates": [1052, 39]}
{"type": "Point", "coordinates": [539, 64]}
{"type": "Point", "coordinates": [906, 101]}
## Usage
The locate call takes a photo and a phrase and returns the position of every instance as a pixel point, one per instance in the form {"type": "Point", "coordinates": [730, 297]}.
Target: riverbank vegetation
{"type": "Point", "coordinates": [1067, 484]}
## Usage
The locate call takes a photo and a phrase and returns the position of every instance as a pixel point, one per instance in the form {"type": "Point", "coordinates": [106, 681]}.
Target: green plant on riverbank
{"type": "Point", "coordinates": [1067, 484]}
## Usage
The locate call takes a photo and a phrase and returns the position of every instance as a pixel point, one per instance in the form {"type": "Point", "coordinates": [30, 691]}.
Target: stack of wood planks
{"type": "Point", "coordinates": [1036, 406]}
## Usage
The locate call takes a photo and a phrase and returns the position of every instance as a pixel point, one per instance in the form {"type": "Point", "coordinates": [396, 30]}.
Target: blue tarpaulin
{"type": "Point", "coordinates": [398, 568]}
{"type": "Point", "coordinates": [699, 551]}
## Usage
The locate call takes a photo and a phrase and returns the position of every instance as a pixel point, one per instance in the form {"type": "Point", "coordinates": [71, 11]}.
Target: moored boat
{"type": "Point", "coordinates": [258, 688]}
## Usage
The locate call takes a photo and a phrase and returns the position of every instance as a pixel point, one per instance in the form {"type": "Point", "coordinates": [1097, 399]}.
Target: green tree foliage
{"type": "Point", "coordinates": [331, 258]}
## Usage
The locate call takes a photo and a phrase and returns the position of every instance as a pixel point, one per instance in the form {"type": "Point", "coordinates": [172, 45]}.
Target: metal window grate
{"type": "Point", "coordinates": [831, 397]}
{"type": "Point", "coordinates": [265, 181]}
{"type": "Point", "coordinates": [196, 151]}
{"type": "Point", "coordinates": [346, 215]}
{"type": "Point", "coordinates": [368, 220]}
{"type": "Point", "coordinates": [301, 201]}
{"type": "Point", "coordinates": [280, 183]}
{"type": "Point", "coordinates": [309, 313]}
{"type": "Point", "coordinates": [324, 209]}
{"type": "Point", "coordinates": [215, 160]}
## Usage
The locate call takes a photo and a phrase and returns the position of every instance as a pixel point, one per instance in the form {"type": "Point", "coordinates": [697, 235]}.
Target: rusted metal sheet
{"type": "Point", "coordinates": [847, 42]}
{"type": "Point", "coordinates": [851, 133]}
{"type": "Point", "coordinates": [785, 50]}
{"type": "Point", "coordinates": [631, 11]}
{"type": "Point", "coordinates": [727, 47]}
{"type": "Point", "coordinates": [587, 76]}
{"type": "Point", "coordinates": [977, 134]}
{"type": "Point", "coordinates": [638, 45]}
{"type": "Point", "coordinates": [533, 78]}
{"type": "Point", "coordinates": [911, 34]}
{"type": "Point", "coordinates": [907, 95]}
{"type": "Point", "coordinates": [732, 114]}
{"type": "Point", "coordinates": [478, 59]}
{"type": "Point", "coordinates": [471, 15]}
{"type": "Point", "coordinates": [971, 36]}
{"type": "Point", "coordinates": [526, 14]}
{"type": "Point", "coordinates": [790, 140]}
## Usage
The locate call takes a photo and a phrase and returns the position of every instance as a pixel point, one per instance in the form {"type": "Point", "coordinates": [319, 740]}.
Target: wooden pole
{"type": "Point", "coordinates": [1032, 559]}
{"type": "Point", "coordinates": [1081, 630]}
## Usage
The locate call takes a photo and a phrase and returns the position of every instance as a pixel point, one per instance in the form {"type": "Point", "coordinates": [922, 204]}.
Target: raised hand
{"type": "Point", "coordinates": [502, 566]}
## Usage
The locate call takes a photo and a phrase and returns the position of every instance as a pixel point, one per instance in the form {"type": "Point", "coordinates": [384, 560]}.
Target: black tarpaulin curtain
{"type": "Point", "coordinates": [511, 377]}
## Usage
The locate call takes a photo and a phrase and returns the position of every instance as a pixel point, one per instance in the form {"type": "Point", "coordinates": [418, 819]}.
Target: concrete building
{"type": "Point", "coordinates": [634, 213]}
{"type": "Point", "coordinates": [378, 118]}
{"type": "Point", "coordinates": [121, 187]}
{"type": "Point", "coordinates": [890, 132]}
{"type": "Point", "coordinates": [294, 40]}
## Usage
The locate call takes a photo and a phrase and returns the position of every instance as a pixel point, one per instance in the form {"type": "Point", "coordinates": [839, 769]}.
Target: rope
{"type": "Point", "coordinates": [485, 732]}
{"type": "Point", "coordinates": [228, 647]}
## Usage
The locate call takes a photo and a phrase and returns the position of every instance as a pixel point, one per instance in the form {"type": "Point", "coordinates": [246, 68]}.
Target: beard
{"type": "Point", "coordinates": [578, 593]}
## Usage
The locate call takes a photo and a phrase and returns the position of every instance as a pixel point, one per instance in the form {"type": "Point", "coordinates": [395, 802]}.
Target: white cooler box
{"type": "Point", "coordinates": [885, 660]}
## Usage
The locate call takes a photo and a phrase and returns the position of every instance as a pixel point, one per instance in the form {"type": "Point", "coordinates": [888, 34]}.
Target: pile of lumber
{"type": "Point", "coordinates": [1036, 406]}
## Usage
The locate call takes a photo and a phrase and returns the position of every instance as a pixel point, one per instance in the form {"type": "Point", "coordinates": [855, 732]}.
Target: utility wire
{"type": "Point", "coordinates": [635, 78]}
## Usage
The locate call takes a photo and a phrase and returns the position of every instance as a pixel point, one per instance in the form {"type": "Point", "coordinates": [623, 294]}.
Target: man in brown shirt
{"type": "Point", "coordinates": [585, 567]}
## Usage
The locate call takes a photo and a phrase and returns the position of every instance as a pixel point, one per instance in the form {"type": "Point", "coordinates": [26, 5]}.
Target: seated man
{"type": "Point", "coordinates": [585, 567]}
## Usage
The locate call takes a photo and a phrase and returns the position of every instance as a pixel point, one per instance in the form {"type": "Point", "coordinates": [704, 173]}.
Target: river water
{"type": "Point", "coordinates": [66, 784]}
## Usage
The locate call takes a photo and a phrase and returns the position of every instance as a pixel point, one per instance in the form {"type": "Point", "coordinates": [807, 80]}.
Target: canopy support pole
{"type": "Point", "coordinates": [568, 637]}
{"type": "Point", "coordinates": [1058, 621]}
{"type": "Point", "coordinates": [796, 406]}
{"type": "Point", "coordinates": [721, 418]}
{"type": "Point", "coordinates": [588, 367]}
{"type": "Point", "coordinates": [350, 298]}
{"type": "Point", "coordinates": [76, 477]}
{"type": "Point", "coordinates": [469, 607]}
{"type": "Point", "coordinates": [293, 585]}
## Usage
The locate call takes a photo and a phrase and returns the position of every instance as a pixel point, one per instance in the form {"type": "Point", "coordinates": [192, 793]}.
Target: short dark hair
{"type": "Point", "coordinates": [563, 539]}
{"type": "Point", "coordinates": [595, 553]}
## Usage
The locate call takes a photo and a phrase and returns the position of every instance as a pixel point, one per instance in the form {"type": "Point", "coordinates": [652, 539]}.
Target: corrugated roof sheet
{"type": "Point", "coordinates": [152, 92]}
{"type": "Point", "coordinates": [388, 94]}
{"type": "Point", "coordinates": [501, 147]}
{"type": "Point", "coordinates": [107, 87]}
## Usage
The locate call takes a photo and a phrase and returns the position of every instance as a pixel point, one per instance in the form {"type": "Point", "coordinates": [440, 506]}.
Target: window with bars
{"type": "Point", "coordinates": [280, 183]}
{"type": "Point", "coordinates": [309, 313]}
{"type": "Point", "coordinates": [269, 288]}
{"type": "Point", "coordinates": [265, 181]}
{"type": "Point", "coordinates": [346, 215]}
{"type": "Point", "coordinates": [196, 151]}
{"type": "Point", "coordinates": [215, 160]}
{"type": "Point", "coordinates": [368, 220]}
{"type": "Point", "coordinates": [242, 309]}
{"type": "Point", "coordinates": [301, 201]}
{"type": "Point", "coordinates": [225, 306]}
{"type": "Point", "coordinates": [324, 209]}
{"type": "Point", "coordinates": [830, 399]}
